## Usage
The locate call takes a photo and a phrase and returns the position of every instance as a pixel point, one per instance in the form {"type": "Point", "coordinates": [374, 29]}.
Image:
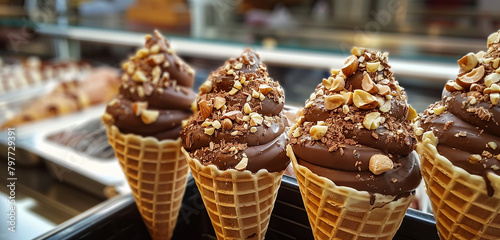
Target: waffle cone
{"type": "Point", "coordinates": [459, 200]}
{"type": "Point", "coordinates": [338, 212]}
{"type": "Point", "coordinates": [157, 173]}
{"type": "Point", "coordinates": [239, 203]}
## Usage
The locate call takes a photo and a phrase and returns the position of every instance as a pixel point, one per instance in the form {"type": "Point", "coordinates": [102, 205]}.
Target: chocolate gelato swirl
{"type": "Point", "coordinates": [355, 129]}
{"type": "Point", "coordinates": [155, 95]}
{"type": "Point", "coordinates": [240, 122]}
{"type": "Point", "coordinates": [467, 119]}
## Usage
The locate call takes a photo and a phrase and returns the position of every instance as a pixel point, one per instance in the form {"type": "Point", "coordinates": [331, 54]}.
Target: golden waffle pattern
{"type": "Point", "coordinates": [337, 212]}
{"type": "Point", "coordinates": [459, 200]}
{"type": "Point", "coordinates": [239, 203]}
{"type": "Point", "coordinates": [157, 173]}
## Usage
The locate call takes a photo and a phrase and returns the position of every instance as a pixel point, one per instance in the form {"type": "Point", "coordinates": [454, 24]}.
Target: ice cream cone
{"type": "Point", "coordinates": [460, 203]}
{"type": "Point", "coordinates": [157, 173]}
{"type": "Point", "coordinates": [239, 203]}
{"type": "Point", "coordinates": [337, 212]}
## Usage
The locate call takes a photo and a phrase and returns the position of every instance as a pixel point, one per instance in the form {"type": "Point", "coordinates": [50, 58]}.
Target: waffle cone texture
{"type": "Point", "coordinates": [459, 200]}
{"type": "Point", "coordinates": [338, 212]}
{"type": "Point", "coordinates": [157, 173]}
{"type": "Point", "coordinates": [239, 203]}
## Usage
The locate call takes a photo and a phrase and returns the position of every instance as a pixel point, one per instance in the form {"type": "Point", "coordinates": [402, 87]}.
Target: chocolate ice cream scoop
{"type": "Point", "coordinates": [240, 122]}
{"type": "Point", "coordinates": [355, 129]}
{"type": "Point", "coordinates": [155, 95]}
{"type": "Point", "coordinates": [467, 119]}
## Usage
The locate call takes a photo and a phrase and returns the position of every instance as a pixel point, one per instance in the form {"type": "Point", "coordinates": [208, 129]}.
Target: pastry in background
{"type": "Point", "coordinates": [98, 86]}
{"type": "Point", "coordinates": [31, 71]}
{"type": "Point", "coordinates": [235, 146]}
{"type": "Point", "coordinates": [352, 151]}
{"type": "Point", "coordinates": [459, 147]}
{"type": "Point", "coordinates": [143, 124]}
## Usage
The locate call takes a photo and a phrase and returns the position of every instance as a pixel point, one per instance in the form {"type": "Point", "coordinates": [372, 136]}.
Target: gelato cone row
{"type": "Point", "coordinates": [351, 147]}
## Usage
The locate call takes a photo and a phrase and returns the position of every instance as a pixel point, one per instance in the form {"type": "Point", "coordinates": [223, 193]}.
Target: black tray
{"type": "Point", "coordinates": [119, 218]}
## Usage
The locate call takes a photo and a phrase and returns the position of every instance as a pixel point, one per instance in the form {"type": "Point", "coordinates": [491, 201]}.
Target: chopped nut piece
{"type": "Point", "coordinates": [230, 72]}
{"type": "Point", "coordinates": [155, 48]}
{"type": "Point", "coordinates": [206, 123]}
{"type": "Point", "coordinates": [357, 51]}
{"type": "Point", "coordinates": [238, 66]}
{"type": "Point", "coordinates": [493, 145]}
{"type": "Point", "coordinates": [255, 94]}
{"type": "Point", "coordinates": [237, 85]}
{"type": "Point", "coordinates": [233, 91]}
{"type": "Point", "coordinates": [345, 109]}
{"type": "Point", "coordinates": [471, 77]}
{"type": "Point", "coordinates": [494, 97]}
{"type": "Point", "coordinates": [205, 108]}
{"type": "Point", "coordinates": [347, 97]}
{"type": "Point", "coordinates": [234, 133]}
{"type": "Point", "coordinates": [246, 108]}
{"type": "Point", "coordinates": [206, 87]}
{"type": "Point", "coordinates": [319, 93]}
{"type": "Point", "coordinates": [350, 66]}
{"type": "Point", "coordinates": [262, 97]}
{"type": "Point", "coordinates": [493, 38]}
{"type": "Point", "coordinates": [209, 131]}
{"type": "Point", "coordinates": [468, 62]}
{"type": "Point", "coordinates": [383, 89]}
{"type": "Point", "coordinates": [219, 102]}
{"type": "Point", "coordinates": [372, 67]}
{"type": "Point", "coordinates": [334, 101]}
{"type": "Point", "coordinates": [335, 71]}
{"type": "Point", "coordinates": [139, 76]}
{"type": "Point", "coordinates": [491, 78]}
{"type": "Point", "coordinates": [227, 124]}
{"type": "Point", "coordinates": [114, 102]}
{"type": "Point", "coordinates": [494, 88]}
{"type": "Point", "coordinates": [475, 158]}
{"type": "Point", "coordinates": [496, 63]}
{"type": "Point", "coordinates": [338, 84]}
{"type": "Point", "coordinates": [364, 100]}
{"type": "Point", "coordinates": [246, 118]}
{"type": "Point", "coordinates": [317, 132]}
{"type": "Point", "coordinates": [412, 113]}
{"type": "Point", "coordinates": [216, 124]}
{"type": "Point", "coordinates": [265, 89]}
{"type": "Point", "coordinates": [368, 85]}
{"type": "Point", "coordinates": [256, 119]}
{"type": "Point", "coordinates": [253, 129]}
{"type": "Point", "coordinates": [386, 107]}
{"type": "Point", "coordinates": [309, 104]}
{"type": "Point", "coordinates": [296, 132]}
{"type": "Point", "coordinates": [419, 131]}
{"type": "Point", "coordinates": [327, 82]}
{"type": "Point", "coordinates": [138, 107]}
{"type": "Point", "coordinates": [372, 120]}
{"type": "Point", "coordinates": [242, 165]}
{"type": "Point", "coordinates": [149, 116]}
{"type": "Point", "coordinates": [141, 53]}
{"type": "Point", "coordinates": [140, 91]}
{"type": "Point", "coordinates": [380, 163]}
{"type": "Point", "coordinates": [451, 86]}
{"type": "Point", "coordinates": [438, 110]}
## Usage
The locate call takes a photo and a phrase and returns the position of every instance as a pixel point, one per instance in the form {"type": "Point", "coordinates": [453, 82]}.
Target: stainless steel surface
{"type": "Point", "coordinates": [42, 201]}
{"type": "Point", "coordinates": [89, 173]}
